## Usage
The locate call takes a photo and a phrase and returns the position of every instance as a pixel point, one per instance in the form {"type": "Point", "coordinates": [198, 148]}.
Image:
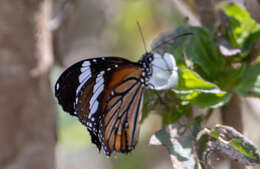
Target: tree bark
{"type": "Point", "coordinates": [27, 115]}
{"type": "Point", "coordinates": [232, 115]}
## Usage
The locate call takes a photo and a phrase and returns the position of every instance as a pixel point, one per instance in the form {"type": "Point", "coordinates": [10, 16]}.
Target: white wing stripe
{"type": "Point", "coordinates": [82, 83]}
{"type": "Point", "coordinates": [94, 109]}
{"type": "Point", "coordinates": [86, 63]}
{"type": "Point", "coordinates": [95, 96]}
{"type": "Point", "coordinates": [83, 75]}
{"type": "Point", "coordinates": [83, 69]}
{"type": "Point", "coordinates": [98, 88]}
{"type": "Point", "coordinates": [98, 84]}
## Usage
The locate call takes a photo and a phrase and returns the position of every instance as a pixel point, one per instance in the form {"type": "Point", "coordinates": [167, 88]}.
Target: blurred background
{"type": "Point", "coordinates": [38, 40]}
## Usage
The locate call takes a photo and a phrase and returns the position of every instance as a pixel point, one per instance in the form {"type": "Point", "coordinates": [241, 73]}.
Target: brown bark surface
{"type": "Point", "coordinates": [232, 115]}
{"type": "Point", "coordinates": [27, 114]}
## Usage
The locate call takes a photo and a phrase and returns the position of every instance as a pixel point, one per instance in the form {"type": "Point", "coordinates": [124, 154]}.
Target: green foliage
{"type": "Point", "coordinates": [226, 140]}
{"type": "Point", "coordinates": [197, 125]}
{"type": "Point", "coordinates": [150, 100]}
{"type": "Point", "coordinates": [207, 100]}
{"type": "Point", "coordinates": [249, 84]}
{"type": "Point", "coordinates": [241, 25]}
{"type": "Point", "coordinates": [203, 51]}
{"type": "Point", "coordinates": [208, 78]}
{"type": "Point", "coordinates": [190, 81]}
{"type": "Point", "coordinates": [250, 41]}
{"type": "Point", "coordinates": [175, 113]}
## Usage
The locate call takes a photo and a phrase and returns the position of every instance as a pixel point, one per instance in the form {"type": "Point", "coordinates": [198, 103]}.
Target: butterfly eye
{"type": "Point", "coordinates": [150, 59]}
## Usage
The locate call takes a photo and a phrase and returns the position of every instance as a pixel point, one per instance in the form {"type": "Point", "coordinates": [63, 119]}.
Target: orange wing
{"type": "Point", "coordinates": [89, 97]}
{"type": "Point", "coordinates": [119, 127]}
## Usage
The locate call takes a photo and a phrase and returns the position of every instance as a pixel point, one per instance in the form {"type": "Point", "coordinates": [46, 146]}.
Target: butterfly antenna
{"type": "Point", "coordinates": [181, 35]}
{"type": "Point", "coordinates": [142, 35]}
{"type": "Point", "coordinates": [170, 40]}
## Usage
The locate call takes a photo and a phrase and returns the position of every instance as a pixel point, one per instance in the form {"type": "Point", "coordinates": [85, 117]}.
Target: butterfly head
{"type": "Point", "coordinates": [148, 57]}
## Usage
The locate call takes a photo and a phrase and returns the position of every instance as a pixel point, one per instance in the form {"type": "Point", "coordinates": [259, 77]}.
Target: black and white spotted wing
{"type": "Point", "coordinates": [88, 90]}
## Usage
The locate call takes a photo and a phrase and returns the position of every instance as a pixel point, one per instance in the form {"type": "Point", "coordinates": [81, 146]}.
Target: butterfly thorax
{"type": "Point", "coordinates": [146, 64]}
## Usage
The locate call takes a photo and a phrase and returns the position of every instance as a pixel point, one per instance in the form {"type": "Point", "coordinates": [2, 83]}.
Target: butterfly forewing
{"type": "Point", "coordinates": [120, 121]}
{"type": "Point", "coordinates": [66, 86]}
{"type": "Point", "coordinates": [80, 88]}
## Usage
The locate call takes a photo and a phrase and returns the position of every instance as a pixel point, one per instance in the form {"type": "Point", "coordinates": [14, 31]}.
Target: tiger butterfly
{"type": "Point", "coordinates": [106, 94]}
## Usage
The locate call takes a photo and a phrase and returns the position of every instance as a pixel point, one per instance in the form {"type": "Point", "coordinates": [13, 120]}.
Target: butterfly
{"type": "Point", "coordinates": [106, 94]}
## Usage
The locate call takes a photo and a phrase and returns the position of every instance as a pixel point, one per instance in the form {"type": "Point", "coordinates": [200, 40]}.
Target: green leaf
{"type": "Point", "coordinates": [236, 146]}
{"type": "Point", "coordinates": [232, 77]}
{"type": "Point", "coordinates": [207, 100]}
{"type": "Point", "coordinates": [240, 23]}
{"type": "Point", "coordinates": [197, 125]}
{"type": "Point", "coordinates": [249, 84]}
{"type": "Point", "coordinates": [178, 142]}
{"type": "Point", "coordinates": [202, 141]}
{"type": "Point", "coordinates": [190, 81]}
{"type": "Point", "coordinates": [198, 45]}
{"type": "Point", "coordinates": [175, 114]}
{"type": "Point", "coordinates": [249, 42]}
{"type": "Point", "coordinates": [203, 51]}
